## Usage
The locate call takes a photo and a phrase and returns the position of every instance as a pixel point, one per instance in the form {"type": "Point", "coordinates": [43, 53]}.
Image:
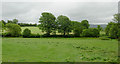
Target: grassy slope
{"type": "Point", "coordinates": [34, 30]}
{"type": "Point", "coordinates": [58, 49]}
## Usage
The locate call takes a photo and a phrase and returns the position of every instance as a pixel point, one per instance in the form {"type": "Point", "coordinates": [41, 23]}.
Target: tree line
{"type": "Point", "coordinates": [50, 25]}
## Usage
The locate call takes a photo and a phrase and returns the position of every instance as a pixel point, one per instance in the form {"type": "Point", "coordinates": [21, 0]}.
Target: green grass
{"type": "Point", "coordinates": [58, 50]}
{"type": "Point", "coordinates": [34, 30]}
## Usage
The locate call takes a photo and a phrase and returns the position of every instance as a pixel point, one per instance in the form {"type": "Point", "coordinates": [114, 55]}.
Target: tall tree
{"type": "Point", "coordinates": [47, 22]}
{"type": "Point", "coordinates": [85, 23]}
{"type": "Point", "coordinates": [15, 21]}
{"type": "Point", "coordinates": [116, 17]}
{"type": "Point", "coordinates": [77, 28]}
{"type": "Point", "coordinates": [64, 24]}
{"type": "Point", "coordinates": [107, 29]}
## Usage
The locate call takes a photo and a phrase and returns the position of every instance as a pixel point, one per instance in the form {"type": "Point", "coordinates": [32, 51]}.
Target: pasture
{"type": "Point", "coordinates": [34, 30]}
{"type": "Point", "coordinates": [59, 50]}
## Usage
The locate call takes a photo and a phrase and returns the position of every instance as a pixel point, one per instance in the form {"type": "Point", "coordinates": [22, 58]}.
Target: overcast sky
{"type": "Point", "coordinates": [30, 12]}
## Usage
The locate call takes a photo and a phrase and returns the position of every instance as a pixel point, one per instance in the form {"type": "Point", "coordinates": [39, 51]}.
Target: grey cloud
{"type": "Point", "coordinates": [95, 12]}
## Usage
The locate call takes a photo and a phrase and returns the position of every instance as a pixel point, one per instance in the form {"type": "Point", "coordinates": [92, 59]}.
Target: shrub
{"type": "Point", "coordinates": [26, 33]}
{"type": "Point", "coordinates": [91, 32]}
{"type": "Point", "coordinates": [13, 30]}
{"type": "Point", "coordinates": [104, 38]}
{"type": "Point", "coordinates": [34, 36]}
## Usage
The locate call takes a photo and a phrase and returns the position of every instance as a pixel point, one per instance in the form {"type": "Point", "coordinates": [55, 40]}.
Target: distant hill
{"type": "Point", "coordinates": [95, 25]}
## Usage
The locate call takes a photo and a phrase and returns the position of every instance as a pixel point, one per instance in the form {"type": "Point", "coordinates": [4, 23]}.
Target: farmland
{"type": "Point", "coordinates": [59, 50]}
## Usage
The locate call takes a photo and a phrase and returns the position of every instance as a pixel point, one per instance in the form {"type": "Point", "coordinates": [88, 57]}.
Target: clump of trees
{"type": "Point", "coordinates": [91, 32]}
{"type": "Point", "coordinates": [113, 28]}
{"type": "Point", "coordinates": [14, 21]}
{"type": "Point", "coordinates": [62, 24]}
{"type": "Point", "coordinates": [26, 24]}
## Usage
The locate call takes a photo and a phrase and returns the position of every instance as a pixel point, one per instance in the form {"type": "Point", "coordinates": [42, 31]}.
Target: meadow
{"type": "Point", "coordinates": [59, 50]}
{"type": "Point", "coordinates": [34, 30]}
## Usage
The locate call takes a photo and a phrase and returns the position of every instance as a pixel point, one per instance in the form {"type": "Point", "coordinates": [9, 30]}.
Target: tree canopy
{"type": "Point", "coordinates": [64, 24]}
{"type": "Point", "coordinates": [47, 22]}
{"type": "Point", "coordinates": [13, 29]}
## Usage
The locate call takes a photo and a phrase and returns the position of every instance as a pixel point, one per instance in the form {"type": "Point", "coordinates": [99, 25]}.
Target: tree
{"type": "Point", "coordinates": [114, 31]}
{"type": "Point", "coordinates": [1, 25]}
{"type": "Point", "coordinates": [99, 27]}
{"type": "Point", "coordinates": [107, 29]}
{"type": "Point", "coordinates": [47, 22]}
{"type": "Point", "coordinates": [85, 23]}
{"type": "Point", "coordinates": [26, 33]}
{"type": "Point", "coordinates": [13, 29]}
{"type": "Point", "coordinates": [64, 24]}
{"type": "Point", "coordinates": [9, 21]}
{"type": "Point", "coordinates": [91, 32]}
{"type": "Point", "coordinates": [77, 28]}
{"type": "Point", "coordinates": [15, 21]}
{"type": "Point", "coordinates": [3, 22]}
{"type": "Point", "coordinates": [116, 17]}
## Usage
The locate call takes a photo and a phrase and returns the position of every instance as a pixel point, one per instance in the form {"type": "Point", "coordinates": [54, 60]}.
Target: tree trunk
{"type": "Point", "coordinates": [64, 32]}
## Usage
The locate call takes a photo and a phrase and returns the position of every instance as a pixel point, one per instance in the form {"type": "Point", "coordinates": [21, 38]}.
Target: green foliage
{"type": "Point", "coordinates": [107, 29]}
{"type": "Point", "coordinates": [15, 21]}
{"type": "Point", "coordinates": [26, 33]}
{"type": "Point", "coordinates": [9, 21]}
{"type": "Point", "coordinates": [104, 38]}
{"type": "Point", "coordinates": [116, 17]}
{"type": "Point", "coordinates": [77, 28]}
{"type": "Point", "coordinates": [85, 24]}
{"type": "Point", "coordinates": [99, 27]}
{"type": "Point", "coordinates": [13, 29]}
{"type": "Point", "coordinates": [26, 24]}
{"type": "Point", "coordinates": [114, 31]}
{"type": "Point", "coordinates": [35, 36]}
{"type": "Point", "coordinates": [64, 24]}
{"type": "Point", "coordinates": [1, 25]}
{"type": "Point", "coordinates": [47, 22]}
{"type": "Point", "coordinates": [3, 22]}
{"type": "Point", "coordinates": [91, 32]}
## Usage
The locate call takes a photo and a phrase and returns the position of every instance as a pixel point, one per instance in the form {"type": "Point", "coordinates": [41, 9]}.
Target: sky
{"type": "Point", "coordinates": [95, 11]}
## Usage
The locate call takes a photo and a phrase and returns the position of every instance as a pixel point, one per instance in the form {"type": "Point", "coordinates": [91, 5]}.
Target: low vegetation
{"type": "Point", "coordinates": [59, 50]}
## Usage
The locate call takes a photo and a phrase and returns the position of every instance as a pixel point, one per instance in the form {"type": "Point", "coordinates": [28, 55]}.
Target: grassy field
{"type": "Point", "coordinates": [34, 30]}
{"type": "Point", "coordinates": [58, 50]}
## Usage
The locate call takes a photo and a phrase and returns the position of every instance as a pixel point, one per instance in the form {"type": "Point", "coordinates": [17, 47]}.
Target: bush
{"type": "Point", "coordinates": [34, 36]}
{"type": "Point", "coordinates": [13, 30]}
{"type": "Point", "coordinates": [104, 38]}
{"type": "Point", "coordinates": [91, 32]}
{"type": "Point", "coordinates": [26, 33]}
